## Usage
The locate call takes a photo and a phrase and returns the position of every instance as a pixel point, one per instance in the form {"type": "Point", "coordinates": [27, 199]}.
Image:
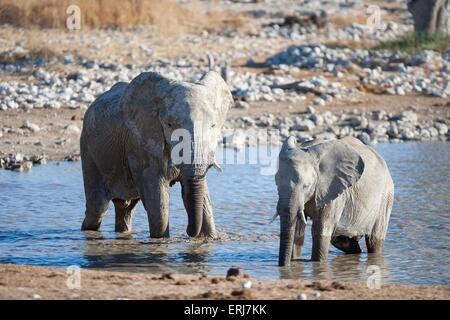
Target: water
{"type": "Point", "coordinates": [42, 211]}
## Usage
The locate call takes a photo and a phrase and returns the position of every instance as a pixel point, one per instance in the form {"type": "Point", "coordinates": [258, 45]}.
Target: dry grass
{"type": "Point", "coordinates": [342, 21]}
{"type": "Point", "coordinates": [167, 16]}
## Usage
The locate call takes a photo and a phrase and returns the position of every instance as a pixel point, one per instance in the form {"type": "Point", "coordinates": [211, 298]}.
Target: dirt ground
{"type": "Point", "coordinates": [29, 282]}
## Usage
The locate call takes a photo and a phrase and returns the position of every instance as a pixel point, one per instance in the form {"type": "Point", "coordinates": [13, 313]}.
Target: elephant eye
{"type": "Point", "coordinates": [213, 125]}
{"type": "Point", "coordinates": [169, 125]}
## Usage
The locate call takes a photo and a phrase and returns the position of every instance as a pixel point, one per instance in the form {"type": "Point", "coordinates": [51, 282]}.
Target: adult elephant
{"type": "Point", "coordinates": [130, 136]}
{"type": "Point", "coordinates": [346, 189]}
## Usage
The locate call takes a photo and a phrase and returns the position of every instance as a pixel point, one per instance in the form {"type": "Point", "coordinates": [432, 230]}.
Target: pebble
{"type": "Point", "coordinates": [241, 105]}
{"type": "Point", "coordinates": [235, 272]}
{"type": "Point", "coordinates": [302, 296]}
{"type": "Point", "coordinates": [247, 284]}
{"type": "Point", "coordinates": [72, 129]}
{"type": "Point", "coordinates": [20, 163]}
{"type": "Point", "coordinates": [364, 137]}
{"type": "Point", "coordinates": [30, 126]}
{"type": "Point", "coordinates": [51, 89]}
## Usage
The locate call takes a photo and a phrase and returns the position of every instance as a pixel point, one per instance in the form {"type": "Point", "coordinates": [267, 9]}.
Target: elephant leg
{"type": "Point", "coordinates": [346, 244]}
{"type": "Point", "coordinates": [124, 212]}
{"type": "Point", "coordinates": [96, 196]}
{"type": "Point", "coordinates": [299, 239]}
{"type": "Point", "coordinates": [321, 236]}
{"type": "Point", "coordinates": [375, 240]}
{"type": "Point", "coordinates": [373, 244]}
{"type": "Point", "coordinates": [95, 210]}
{"type": "Point", "coordinates": [208, 226]}
{"type": "Point", "coordinates": [155, 197]}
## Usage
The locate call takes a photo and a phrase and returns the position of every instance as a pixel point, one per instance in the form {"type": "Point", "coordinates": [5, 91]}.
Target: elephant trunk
{"type": "Point", "coordinates": [193, 196]}
{"type": "Point", "coordinates": [288, 215]}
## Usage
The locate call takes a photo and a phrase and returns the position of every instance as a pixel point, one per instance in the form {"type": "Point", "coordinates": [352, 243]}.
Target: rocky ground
{"type": "Point", "coordinates": [27, 282]}
{"type": "Point", "coordinates": [301, 69]}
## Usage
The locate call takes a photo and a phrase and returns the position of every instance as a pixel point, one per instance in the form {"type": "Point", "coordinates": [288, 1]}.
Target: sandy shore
{"type": "Point", "coordinates": [30, 282]}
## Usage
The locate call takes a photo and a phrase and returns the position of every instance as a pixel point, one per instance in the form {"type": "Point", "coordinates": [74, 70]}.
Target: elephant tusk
{"type": "Point", "coordinates": [302, 216]}
{"type": "Point", "coordinates": [217, 167]}
{"type": "Point", "coordinates": [274, 217]}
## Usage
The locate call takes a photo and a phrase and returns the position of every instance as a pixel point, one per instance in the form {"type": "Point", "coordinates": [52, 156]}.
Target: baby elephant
{"type": "Point", "coordinates": [131, 150]}
{"type": "Point", "coordinates": [346, 189]}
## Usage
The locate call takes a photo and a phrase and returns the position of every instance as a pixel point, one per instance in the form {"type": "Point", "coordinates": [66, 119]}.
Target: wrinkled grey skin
{"type": "Point", "coordinates": [126, 150]}
{"type": "Point", "coordinates": [346, 189]}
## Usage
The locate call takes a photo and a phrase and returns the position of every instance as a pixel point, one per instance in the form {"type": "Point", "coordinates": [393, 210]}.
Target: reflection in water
{"type": "Point", "coordinates": [355, 267]}
{"type": "Point", "coordinates": [44, 209]}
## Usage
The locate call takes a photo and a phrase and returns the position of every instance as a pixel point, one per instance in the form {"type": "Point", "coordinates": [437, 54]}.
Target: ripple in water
{"type": "Point", "coordinates": [42, 212]}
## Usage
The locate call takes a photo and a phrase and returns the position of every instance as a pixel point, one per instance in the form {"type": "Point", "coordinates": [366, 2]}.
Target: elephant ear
{"type": "Point", "coordinates": [340, 167]}
{"type": "Point", "coordinates": [140, 106]}
{"type": "Point", "coordinates": [218, 92]}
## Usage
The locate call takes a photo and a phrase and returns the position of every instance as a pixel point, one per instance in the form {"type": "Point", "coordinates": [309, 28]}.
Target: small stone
{"type": "Point", "coordinates": [317, 119]}
{"type": "Point", "coordinates": [407, 116]}
{"type": "Point", "coordinates": [72, 128]}
{"type": "Point", "coordinates": [52, 105]}
{"type": "Point", "coordinates": [364, 137]}
{"type": "Point", "coordinates": [441, 128]}
{"type": "Point", "coordinates": [302, 296]}
{"type": "Point", "coordinates": [266, 121]}
{"type": "Point", "coordinates": [407, 134]}
{"type": "Point", "coordinates": [247, 284]}
{"type": "Point", "coordinates": [319, 102]}
{"type": "Point", "coordinates": [30, 126]}
{"type": "Point", "coordinates": [379, 115]}
{"type": "Point", "coordinates": [241, 105]}
{"type": "Point", "coordinates": [18, 157]}
{"type": "Point", "coordinates": [305, 125]}
{"type": "Point", "coordinates": [235, 272]}
{"type": "Point", "coordinates": [89, 64]}
{"type": "Point", "coordinates": [310, 110]}
{"type": "Point", "coordinates": [68, 59]}
{"type": "Point", "coordinates": [355, 121]}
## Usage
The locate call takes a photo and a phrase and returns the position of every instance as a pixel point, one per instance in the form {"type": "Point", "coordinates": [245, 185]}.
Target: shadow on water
{"type": "Point", "coordinates": [44, 210]}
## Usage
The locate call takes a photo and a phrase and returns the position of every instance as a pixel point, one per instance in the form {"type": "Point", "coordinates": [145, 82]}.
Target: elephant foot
{"type": "Point", "coordinates": [123, 226]}
{"type": "Point", "coordinates": [124, 213]}
{"type": "Point", "coordinates": [90, 224]}
{"type": "Point", "coordinates": [374, 245]}
{"type": "Point", "coordinates": [158, 235]}
{"type": "Point", "coordinates": [346, 244]}
{"type": "Point", "coordinates": [210, 235]}
{"type": "Point", "coordinates": [157, 232]}
{"type": "Point", "coordinates": [297, 251]}
{"type": "Point", "coordinates": [320, 248]}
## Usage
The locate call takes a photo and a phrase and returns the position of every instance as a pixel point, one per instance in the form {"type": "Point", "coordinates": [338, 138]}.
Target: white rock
{"type": "Point", "coordinates": [72, 129]}
{"type": "Point", "coordinates": [305, 125]}
{"type": "Point", "coordinates": [317, 119]}
{"type": "Point", "coordinates": [31, 126]}
{"type": "Point", "coordinates": [441, 127]}
{"type": "Point", "coordinates": [302, 296]}
{"type": "Point", "coordinates": [247, 284]}
{"type": "Point", "coordinates": [241, 105]}
{"type": "Point", "coordinates": [364, 137]}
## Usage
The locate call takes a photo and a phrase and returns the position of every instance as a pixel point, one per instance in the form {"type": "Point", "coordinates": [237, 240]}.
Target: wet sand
{"type": "Point", "coordinates": [30, 282]}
